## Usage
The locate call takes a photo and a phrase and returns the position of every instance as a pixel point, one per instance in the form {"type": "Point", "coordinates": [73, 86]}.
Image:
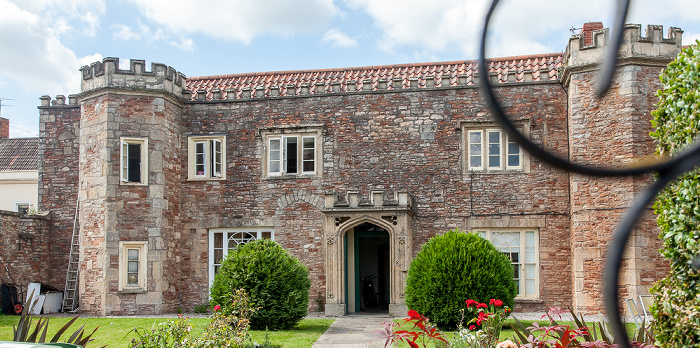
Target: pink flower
{"type": "Point", "coordinates": [216, 308]}
{"type": "Point", "coordinates": [471, 303]}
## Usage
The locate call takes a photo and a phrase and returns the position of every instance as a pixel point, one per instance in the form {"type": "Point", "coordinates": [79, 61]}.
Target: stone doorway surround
{"type": "Point", "coordinates": [392, 213]}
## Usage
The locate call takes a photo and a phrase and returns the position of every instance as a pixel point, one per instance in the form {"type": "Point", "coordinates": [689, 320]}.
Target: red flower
{"type": "Point", "coordinates": [472, 327]}
{"type": "Point", "coordinates": [498, 303]}
{"type": "Point", "coordinates": [471, 303]}
{"type": "Point", "coordinates": [413, 314]}
{"type": "Point", "coordinates": [216, 308]}
{"type": "Point", "coordinates": [491, 301]}
{"type": "Point", "coordinates": [508, 310]}
{"type": "Point", "coordinates": [481, 305]}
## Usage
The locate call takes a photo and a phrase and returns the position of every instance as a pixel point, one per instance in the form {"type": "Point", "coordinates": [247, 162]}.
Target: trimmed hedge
{"type": "Point", "coordinates": [676, 308]}
{"type": "Point", "coordinates": [276, 281]}
{"type": "Point", "coordinates": [452, 268]}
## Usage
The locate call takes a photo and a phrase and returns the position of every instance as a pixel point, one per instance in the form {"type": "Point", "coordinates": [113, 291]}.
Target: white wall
{"type": "Point", "coordinates": [18, 186]}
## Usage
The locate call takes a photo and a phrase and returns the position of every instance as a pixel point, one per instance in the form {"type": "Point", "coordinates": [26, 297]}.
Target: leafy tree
{"type": "Point", "coordinates": [277, 282]}
{"type": "Point", "coordinates": [452, 268]}
{"type": "Point", "coordinates": [677, 120]}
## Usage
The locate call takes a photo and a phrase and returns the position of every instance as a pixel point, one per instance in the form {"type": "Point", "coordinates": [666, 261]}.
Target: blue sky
{"type": "Point", "coordinates": [43, 43]}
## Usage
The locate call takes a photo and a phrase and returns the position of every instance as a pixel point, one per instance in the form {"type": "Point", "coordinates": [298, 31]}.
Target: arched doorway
{"type": "Point", "coordinates": [367, 269]}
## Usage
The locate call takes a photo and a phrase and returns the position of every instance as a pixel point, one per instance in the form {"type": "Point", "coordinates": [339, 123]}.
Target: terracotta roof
{"type": "Point", "coordinates": [19, 154]}
{"type": "Point", "coordinates": [376, 78]}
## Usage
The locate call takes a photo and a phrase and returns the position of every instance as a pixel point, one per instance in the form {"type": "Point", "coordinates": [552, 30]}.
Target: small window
{"type": "Point", "coordinates": [22, 207]}
{"type": "Point", "coordinates": [521, 247]}
{"type": "Point", "coordinates": [206, 158]}
{"type": "Point", "coordinates": [291, 154]}
{"type": "Point", "coordinates": [132, 266]}
{"type": "Point", "coordinates": [221, 241]}
{"type": "Point", "coordinates": [491, 149]}
{"type": "Point", "coordinates": [134, 161]}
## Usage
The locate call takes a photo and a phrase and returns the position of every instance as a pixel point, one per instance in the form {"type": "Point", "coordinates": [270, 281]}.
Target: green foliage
{"type": "Point", "coordinates": [677, 297]}
{"type": "Point", "coordinates": [201, 308]}
{"type": "Point", "coordinates": [169, 334]}
{"type": "Point", "coordinates": [277, 282]}
{"type": "Point", "coordinates": [452, 268]}
{"type": "Point", "coordinates": [24, 332]}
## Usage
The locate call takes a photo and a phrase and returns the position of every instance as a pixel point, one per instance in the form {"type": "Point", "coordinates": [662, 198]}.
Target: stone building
{"type": "Point", "coordinates": [352, 170]}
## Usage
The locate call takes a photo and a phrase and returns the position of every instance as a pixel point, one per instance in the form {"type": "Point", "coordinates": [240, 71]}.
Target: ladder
{"type": "Point", "coordinates": [70, 292]}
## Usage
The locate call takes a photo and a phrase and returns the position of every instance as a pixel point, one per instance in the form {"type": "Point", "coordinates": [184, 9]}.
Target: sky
{"type": "Point", "coordinates": [43, 43]}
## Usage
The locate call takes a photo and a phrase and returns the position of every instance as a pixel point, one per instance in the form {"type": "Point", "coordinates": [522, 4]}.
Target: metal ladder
{"type": "Point", "coordinates": [70, 292]}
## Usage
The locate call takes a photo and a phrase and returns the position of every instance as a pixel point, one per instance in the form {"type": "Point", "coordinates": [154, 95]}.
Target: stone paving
{"type": "Point", "coordinates": [354, 331]}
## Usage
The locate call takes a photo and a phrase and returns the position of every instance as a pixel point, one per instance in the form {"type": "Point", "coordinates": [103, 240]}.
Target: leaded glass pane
{"type": "Point", "coordinates": [133, 266]}
{"type": "Point", "coordinates": [133, 254]}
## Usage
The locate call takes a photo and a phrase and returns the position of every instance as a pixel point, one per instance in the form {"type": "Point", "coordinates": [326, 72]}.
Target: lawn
{"type": "Point", "coordinates": [116, 332]}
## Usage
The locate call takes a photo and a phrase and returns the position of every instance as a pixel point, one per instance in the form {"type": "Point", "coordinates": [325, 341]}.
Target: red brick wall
{"type": "Point", "coordinates": [58, 177]}
{"type": "Point", "coordinates": [612, 131]}
{"type": "Point", "coordinates": [373, 142]}
{"type": "Point", "coordinates": [24, 247]}
{"type": "Point", "coordinates": [4, 128]}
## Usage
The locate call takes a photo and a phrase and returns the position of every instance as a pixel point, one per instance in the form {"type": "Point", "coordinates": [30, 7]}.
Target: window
{"type": "Point", "coordinates": [206, 158]}
{"type": "Point", "coordinates": [292, 153]}
{"type": "Point", "coordinates": [223, 240]}
{"type": "Point", "coordinates": [134, 161]}
{"type": "Point", "coordinates": [522, 247]}
{"type": "Point", "coordinates": [22, 207]}
{"type": "Point", "coordinates": [132, 266]}
{"type": "Point", "coordinates": [491, 149]}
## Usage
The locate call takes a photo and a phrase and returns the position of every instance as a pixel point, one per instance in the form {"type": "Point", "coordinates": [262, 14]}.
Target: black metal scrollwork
{"type": "Point", "coordinates": [666, 169]}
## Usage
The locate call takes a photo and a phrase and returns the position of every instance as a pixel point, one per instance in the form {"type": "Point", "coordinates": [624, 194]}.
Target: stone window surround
{"type": "Point", "coordinates": [257, 231]}
{"type": "Point", "coordinates": [508, 222]}
{"type": "Point", "coordinates": [286, 131]}
{"type": "Point", "coordinates": [191, 157]}
{"type": "Point", "coordinates": [142, 247]}
{"type": "Point", "coordinates": [144, 160]}
{"type": "Point", "coordinates": [522, 262]}
{"type": "Point", "coordinates": [22, 206]}
{"type": "Point", "coordinates": [467, 126]}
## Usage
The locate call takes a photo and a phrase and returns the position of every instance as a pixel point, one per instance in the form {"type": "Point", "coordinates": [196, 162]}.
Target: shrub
{"type": "Point", "coordinates": [454, 267]}
{"type": "Point", "coordinates": [276, 281]}
{"type": "Point", "coordinates": [677, 309]}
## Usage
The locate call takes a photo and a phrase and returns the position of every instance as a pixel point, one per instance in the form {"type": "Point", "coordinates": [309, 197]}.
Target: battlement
{"type": "Point", "coordinates": [375, 200]}
{"type": "Point", "coordinates": [584, 51]}
{"type": "Point", "coordinates": [107, 74]}
{"type": "Point", "coordinates": [60, 101]}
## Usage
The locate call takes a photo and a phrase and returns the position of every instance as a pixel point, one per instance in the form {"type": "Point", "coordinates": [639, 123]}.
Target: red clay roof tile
{"type": "Point", "coordinates": [354, 79]}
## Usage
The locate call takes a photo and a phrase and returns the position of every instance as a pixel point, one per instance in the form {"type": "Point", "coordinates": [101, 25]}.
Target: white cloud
{"type": "Point", "coordinates": [339, 39]}
{"type": "Point", "coordinates": [239, 20]}
{"type": "Point", "coordinates": [66, 16]}
{"type": "Point", "coordinates": [35, 59]}
{"type": "Point", "coordinates": [184, 44]}
{"type": "Point", "coordinates": [518, 27]}
{"type": "Point", "coordinates": [124, 32]}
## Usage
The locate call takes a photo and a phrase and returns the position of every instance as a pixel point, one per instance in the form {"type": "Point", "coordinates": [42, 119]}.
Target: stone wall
{"type": "Point", "coordinates": [59, 132]}
{"type": "Point", "coordinates": [25, 249]}
{"type": "Point", "coordinates": [402, 141]}
{"type": "Point", "coordinates": [613, 131]}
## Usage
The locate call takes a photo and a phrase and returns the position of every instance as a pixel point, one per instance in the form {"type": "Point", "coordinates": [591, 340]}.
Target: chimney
{"type": "Point", "coordinates": [4, 128]}
{"type": "Point", "coordinates": [588, 31]}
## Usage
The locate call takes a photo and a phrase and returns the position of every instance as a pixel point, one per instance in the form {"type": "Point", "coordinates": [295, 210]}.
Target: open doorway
{"type": "Point", "coordinates": [368, 269]}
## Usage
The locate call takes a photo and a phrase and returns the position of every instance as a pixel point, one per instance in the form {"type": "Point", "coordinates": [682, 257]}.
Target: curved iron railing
{"type": "Point", "coordinates": [666, 169]}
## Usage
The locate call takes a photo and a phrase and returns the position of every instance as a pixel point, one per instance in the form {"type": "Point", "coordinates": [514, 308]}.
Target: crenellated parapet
{"type": "Point", "coordinates": [585, 50]}
{"type": "Point", "coordinates": [107, 74]}
{"type": "Point", "coordinates": [375, 200]}
{"type": "Point", "coordinates": [60, 101]}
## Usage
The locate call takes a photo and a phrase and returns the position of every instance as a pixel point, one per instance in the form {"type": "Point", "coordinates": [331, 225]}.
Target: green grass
{"type": "Point", "coordinates": [117, 332]}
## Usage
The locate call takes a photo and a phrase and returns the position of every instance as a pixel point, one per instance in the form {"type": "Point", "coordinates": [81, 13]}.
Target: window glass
{"type": "Point", "coordinates": [132, 273]}
{"type": "Point", "coordinates": [291, 155]}
{"type": "Point", "coordinates": [216, 158]}
{"type": "Point", "coordinates": [494, 149]}
{"type": "Point", "coordinates": [309, 154]}
{"type": "Point", "coordinates": [475, 149]}
{"type": "Point", "coordinates": [274, 156]}
{"type": "Point", "coordinates": [199, 158]}
{"type": "Point", "coordinates": [513, 154]}
{"type": "Point", "coordinates": [520, 247]}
